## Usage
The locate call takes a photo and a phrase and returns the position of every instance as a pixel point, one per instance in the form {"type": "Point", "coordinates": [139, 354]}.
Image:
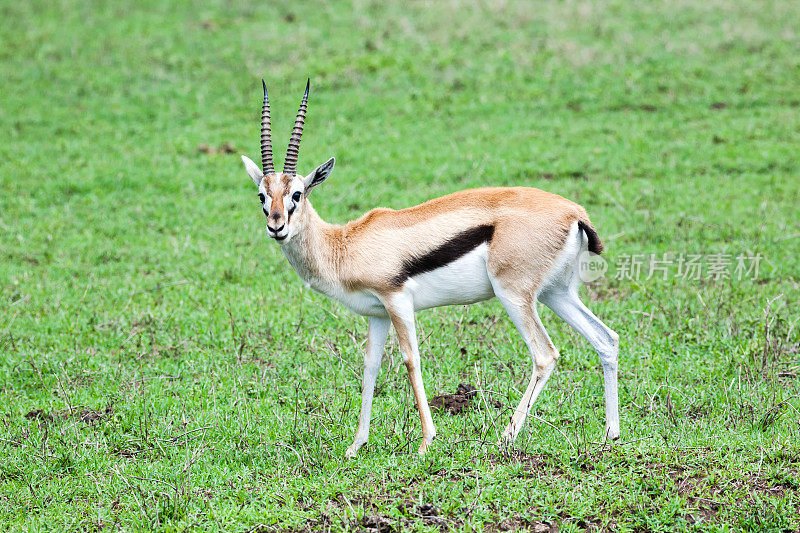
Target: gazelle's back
{"type": "Point", "coordinates": [485, 204]}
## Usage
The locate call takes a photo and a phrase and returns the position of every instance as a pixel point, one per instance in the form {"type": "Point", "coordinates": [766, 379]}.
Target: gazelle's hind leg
{"type": "Point", "coordinates": [522, 310]}
{"type": "Point", "coordinates": [564, 302]}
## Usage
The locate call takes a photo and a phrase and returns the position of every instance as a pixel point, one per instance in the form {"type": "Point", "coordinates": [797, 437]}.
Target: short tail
{"type": "Point", "coordinates": [595, 244]}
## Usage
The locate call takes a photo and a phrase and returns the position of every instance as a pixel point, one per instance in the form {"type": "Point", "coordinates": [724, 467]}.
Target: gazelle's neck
{"type": "Point", "coordinates": [311, 252]}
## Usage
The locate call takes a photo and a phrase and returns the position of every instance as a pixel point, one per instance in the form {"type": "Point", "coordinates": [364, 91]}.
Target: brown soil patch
{"type": "Point", "coordinates": [774, 488]}
{"type": "Point", "coordinates": [382, 524]}
{"type": "Point", "coordinates": [515, 523]}
{"type": "Point", "coordinates": [426, 512]}
{"type": "Point", "coordinates": [81, 412]}
{"type": "Point", "coordinates": [459, 401]}
{"type": "Point", "coordinates": [90, 416]}
{"type": "Point", "coordinates": [311, 526]}
{"type": "Point", "coordinates": [38, 414]}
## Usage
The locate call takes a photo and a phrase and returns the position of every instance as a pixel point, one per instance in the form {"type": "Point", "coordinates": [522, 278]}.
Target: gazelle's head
{"type": "Point", "coordinates": [283, 194]}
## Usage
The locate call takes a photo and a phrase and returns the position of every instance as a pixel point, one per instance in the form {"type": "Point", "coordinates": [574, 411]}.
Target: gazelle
{"type": "Point", "coordinates": [519, 244]}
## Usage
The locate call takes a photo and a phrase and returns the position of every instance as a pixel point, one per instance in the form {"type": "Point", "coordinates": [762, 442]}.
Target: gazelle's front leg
{"type": "Point", "coordinates": [401, 312]}
{"type": "Point", "coordinates": [376, 340]}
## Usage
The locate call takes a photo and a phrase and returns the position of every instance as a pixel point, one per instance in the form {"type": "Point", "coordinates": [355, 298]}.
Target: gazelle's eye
{"type": "Point", "coordinates": [261, 197]}
{"type": "Point", "coordinates": [296, 196]}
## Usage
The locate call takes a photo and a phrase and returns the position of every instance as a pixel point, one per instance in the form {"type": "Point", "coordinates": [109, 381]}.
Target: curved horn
{"type": "Point", "coordinates": [266, 141]}
{"type": "Point", "coordinates": [290, 165]}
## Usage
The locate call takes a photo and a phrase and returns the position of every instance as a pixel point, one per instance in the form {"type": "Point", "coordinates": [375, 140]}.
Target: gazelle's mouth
{"type": "Point", "coordinates": [276, 234]}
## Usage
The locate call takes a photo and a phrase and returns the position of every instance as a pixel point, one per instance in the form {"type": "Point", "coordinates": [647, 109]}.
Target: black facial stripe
{"type": "Point", "coordinates": [291, 210]}
{"type": "Point", "coordinates": [446, 253]}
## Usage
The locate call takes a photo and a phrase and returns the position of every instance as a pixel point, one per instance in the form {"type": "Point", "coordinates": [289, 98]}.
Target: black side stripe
{"type": "Point", "coordinates": [458, 246]}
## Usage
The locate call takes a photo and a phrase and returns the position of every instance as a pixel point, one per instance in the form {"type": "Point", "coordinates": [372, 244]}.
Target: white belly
{"type": "Point", "coordinates": [464, 281]}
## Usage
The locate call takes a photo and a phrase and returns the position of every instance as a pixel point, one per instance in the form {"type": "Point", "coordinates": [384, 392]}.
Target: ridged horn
{"type": "Point", "coordinates": [266, 140]}
{"type": "Point", "coordinates": [290, 165]}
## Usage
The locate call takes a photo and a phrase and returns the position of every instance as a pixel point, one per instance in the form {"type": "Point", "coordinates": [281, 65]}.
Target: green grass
{"type": "Point", "coordinates": [163, 368]}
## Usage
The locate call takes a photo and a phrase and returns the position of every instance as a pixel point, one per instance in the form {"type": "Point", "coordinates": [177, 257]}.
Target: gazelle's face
{"type": "Point", "coordinates": [282, 198]}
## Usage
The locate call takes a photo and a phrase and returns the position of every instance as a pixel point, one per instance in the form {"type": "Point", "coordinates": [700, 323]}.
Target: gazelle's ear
{"type": "Point", "coordinates": [253, 170]}
{"type": "Point", "coordinates": [319, 175]}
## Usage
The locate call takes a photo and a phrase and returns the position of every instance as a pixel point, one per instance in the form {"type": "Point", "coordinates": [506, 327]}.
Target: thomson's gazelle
{"type": "Point", "coordinates": [519, 244]}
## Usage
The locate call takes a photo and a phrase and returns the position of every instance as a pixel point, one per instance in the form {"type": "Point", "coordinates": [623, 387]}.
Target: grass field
{"type": "Point", "coordinates": [163, 368]}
